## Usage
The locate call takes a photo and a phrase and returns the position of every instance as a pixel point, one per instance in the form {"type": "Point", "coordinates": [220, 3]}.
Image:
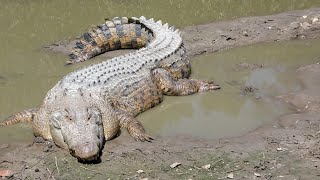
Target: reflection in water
{"type": "Point", "coordinates": [29, 72]}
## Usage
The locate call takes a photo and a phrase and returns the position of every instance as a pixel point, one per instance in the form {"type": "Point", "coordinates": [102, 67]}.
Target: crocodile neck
{"type": "Point", "coordinates": [130, 66]}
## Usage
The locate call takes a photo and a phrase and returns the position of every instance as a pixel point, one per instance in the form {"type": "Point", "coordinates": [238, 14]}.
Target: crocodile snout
{"type": "Point", "coordinates": [86, 151]}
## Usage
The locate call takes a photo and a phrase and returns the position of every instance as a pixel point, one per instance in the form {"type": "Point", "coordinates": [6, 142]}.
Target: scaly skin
{"type": "Point", "coordinates": [90, 105]}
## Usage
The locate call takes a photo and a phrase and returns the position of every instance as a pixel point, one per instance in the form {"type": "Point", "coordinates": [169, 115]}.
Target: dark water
{"type": "Point", "coordinates": [27, 72]}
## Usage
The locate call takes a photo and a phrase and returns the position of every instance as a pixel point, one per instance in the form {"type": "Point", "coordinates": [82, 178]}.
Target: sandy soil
{"type": "Point", "coordinates": [285, 149]}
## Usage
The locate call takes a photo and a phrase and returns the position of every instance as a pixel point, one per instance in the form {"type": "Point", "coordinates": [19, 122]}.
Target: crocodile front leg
{"type": "Point", "coordinates": [134, 128]}
{"type": "Point", "coordinates": [178, 87]}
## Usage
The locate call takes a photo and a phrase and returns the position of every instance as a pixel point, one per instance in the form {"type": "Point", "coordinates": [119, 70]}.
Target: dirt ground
{"type": "Point", "coordinates": [285, 149]}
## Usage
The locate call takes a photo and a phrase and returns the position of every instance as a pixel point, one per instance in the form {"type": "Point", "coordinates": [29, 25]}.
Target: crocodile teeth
{"type": "Point", "coordinates": [159, 22]}
{"type": "Point", "coordinates": [177, 31]}
{"type": "Point", "coordinates": [166, 25]}
{"type": "Point", "coordinates": [152, 20]}
{"type": "Point", "coordinates": [172, 28]}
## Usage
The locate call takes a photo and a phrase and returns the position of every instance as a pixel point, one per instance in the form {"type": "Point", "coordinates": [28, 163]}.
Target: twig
{"type": "Point", "coordinates": [5, 161]}
{"type": "Point", "coordinates": [50, 174]}
{"type": "Point", "coordinates": [141, 151]}
{"type": "Point", "coordinates": [57, 164]}
{"type": "Point", "coordinates": [91, 170]}
{"type": "Point", "coordinates": [234, 170]}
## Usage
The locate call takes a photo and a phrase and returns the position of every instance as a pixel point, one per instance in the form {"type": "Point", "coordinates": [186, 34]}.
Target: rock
{"type": "Point", "coordinates": [305, 25]}
{"type": "Point", "coordinates": [280, 149]}
{"type": "Point", "coordinates": [304, 17]}
{"type": "Point", "coordinates": [230, 176]}
{"type": "Point", "coordinates": [6, 173]}
{"type": "Point", "coordinates": [315, 20]}
{"type": "Point", "coordinates": [245, 33]}
{"type": "Point", "coordinates": [206, 167]}
{"type": "Point", "coordinates": [140, 171]}
{"type": "Point", "coordinates": [257, 174]}
{"type": "Point", "coordinates": [174, 165]}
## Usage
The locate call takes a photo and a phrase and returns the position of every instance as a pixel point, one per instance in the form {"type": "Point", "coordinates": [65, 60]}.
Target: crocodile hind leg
{"type": "Point", "coordinates": [134, 128]}
{"type": "Point", "coordinates": [178, 87]}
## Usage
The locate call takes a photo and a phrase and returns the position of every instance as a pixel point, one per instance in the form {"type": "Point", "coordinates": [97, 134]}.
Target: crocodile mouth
{"type": "Point", "coordinates": [85, 156]}
{"type": "Point", "coordinates": [90, 160]}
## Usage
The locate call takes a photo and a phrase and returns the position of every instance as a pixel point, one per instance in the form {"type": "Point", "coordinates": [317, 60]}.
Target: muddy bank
{"type": "Point", "coordinates": [217, 36]}
{"type": "Point", "coordinates": [286, 149]}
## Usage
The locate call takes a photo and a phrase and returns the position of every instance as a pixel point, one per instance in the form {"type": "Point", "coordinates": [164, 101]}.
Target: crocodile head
{"type": "Point", "coordinates": [76, 125]}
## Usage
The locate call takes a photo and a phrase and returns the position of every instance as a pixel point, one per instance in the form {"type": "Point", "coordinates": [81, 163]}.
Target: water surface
{"type": "Point", "coordinates": [228, 112]}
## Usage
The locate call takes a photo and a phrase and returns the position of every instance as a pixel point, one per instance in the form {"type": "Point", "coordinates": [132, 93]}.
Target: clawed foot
{"type": "Point", "coordinates": [142, 137]}
{"type": "Point", "coordinates": [137, 131]}
{"type": "Point", "coordinates": [208, 86]}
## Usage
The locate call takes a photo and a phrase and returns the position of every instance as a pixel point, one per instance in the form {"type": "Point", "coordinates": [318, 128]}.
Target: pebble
{"type": "Point", "coordinates": [305, 25]}
{"type": "Point", "coordinates": [280, 149]}
{"type": "Point", "coordinates": [257, 174]}
{"type": "Point", "coordinates": [140, 171]}
{"type": "Point", "coordinates": [174, 165]}
{"type": "Point", "coordinates": [315, 20]}
{"type": "Point", "coordinates": [6, 173]}
{"type": "Point", "coordinates": [245, 33]}
{"type": "Point", "coordinates": [230, 176]}
{"type": "Point", "coordinates": [206, 167]}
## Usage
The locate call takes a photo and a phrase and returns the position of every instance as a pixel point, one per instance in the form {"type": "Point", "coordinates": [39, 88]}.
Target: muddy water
{"type": "Point", "coordinates": [27, 72]}
{"type": "Point", "coordinates": [229, 112]}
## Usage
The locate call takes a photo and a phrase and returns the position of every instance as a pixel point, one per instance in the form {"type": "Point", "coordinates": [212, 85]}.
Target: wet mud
{"type": "Point", "coordinates": [284, 149]}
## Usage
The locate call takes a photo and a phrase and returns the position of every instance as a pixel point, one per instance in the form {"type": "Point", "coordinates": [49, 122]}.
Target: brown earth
{"type": "Point", "coordinates": [285, 149]}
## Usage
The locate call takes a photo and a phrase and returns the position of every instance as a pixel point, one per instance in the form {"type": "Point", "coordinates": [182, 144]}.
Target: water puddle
{"type": "Point", "coordinates": [229, 112]}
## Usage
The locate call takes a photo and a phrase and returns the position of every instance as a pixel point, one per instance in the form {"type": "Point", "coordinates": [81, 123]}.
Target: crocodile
{"type": "Point", "coordinates": [89, 106]}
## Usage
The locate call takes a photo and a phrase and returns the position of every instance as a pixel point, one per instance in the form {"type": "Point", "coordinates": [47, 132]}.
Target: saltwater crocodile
{"type": "Point", "coordinates": [90, 105]}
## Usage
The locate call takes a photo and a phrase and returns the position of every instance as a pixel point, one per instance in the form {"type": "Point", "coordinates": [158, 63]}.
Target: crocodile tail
{"type": "Point", "coordinates": [23, 116]}
{"type": "Point", "coordinates": [118, 33]}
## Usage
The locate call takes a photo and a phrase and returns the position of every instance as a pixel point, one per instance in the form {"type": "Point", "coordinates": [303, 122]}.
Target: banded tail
{"type": "Point", "coordinates": [118, 33]}
{"type": "Point", "coordinates": [23, 116]}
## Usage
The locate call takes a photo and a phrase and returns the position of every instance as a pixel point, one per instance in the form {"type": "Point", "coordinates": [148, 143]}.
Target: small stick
{"type": "Point", "coordinates": [50, 173]}
{"type": "Point", "coordinates": [234, 170]}
{"type": "Point", "coordinates": [57, 164]}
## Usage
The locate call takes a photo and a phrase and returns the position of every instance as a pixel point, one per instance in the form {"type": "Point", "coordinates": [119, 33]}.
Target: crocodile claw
{"type": "Point", "coordinates": [143, 137]}
{"type": "Point", "coordinates": [208, 86]}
